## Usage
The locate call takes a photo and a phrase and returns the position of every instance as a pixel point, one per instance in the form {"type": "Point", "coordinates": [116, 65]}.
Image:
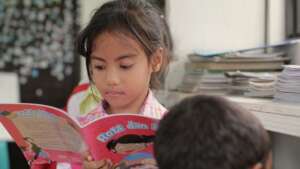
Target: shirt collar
{"type": "Point", "coordinates": [151, 107]}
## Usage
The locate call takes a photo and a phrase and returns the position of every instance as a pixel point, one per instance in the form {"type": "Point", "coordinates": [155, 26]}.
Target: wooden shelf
{"type": "Point", "coordinates": [276, 116]}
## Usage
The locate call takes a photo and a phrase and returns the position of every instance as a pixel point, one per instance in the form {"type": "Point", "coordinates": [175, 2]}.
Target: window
{"type": "Point", "coordinates": [292, 18]}
{"type": "Point", "coordinates": [37, 42]}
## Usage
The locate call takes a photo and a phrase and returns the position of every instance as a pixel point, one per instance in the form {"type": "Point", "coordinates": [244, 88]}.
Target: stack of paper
{"type": "Point", "coordinates": [238, 61]}
{"type": "Point", "coordinates": [288, 84]}
{"type": "Point", "coordinates": [261, 87]}
{"type": "Point", "coordinates": [253, 84]}
{"type": "Point", "coordinates": [238, 85]}
{"type": "Point", "coordinates": [206, 82]}
{"type": "Point", "coordinates": [213, 83]}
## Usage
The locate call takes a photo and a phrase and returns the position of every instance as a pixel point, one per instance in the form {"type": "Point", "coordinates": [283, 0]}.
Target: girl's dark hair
{"type": "Point", "coordinates": [137, 19]}
{"type": "Point", "coordinates": [130, 138]}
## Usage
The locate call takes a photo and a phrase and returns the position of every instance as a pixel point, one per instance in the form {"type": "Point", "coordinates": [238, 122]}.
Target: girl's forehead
{"type": "Point", "coordinates": [111, 45]}
{"type": "Point", "coordinates": [119, 39]}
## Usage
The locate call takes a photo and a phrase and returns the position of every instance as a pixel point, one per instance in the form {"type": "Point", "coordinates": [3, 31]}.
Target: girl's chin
{"type": "Point", "coordinates": [115, 101]}
{"type": "Point", "coordinates": [117, 105]}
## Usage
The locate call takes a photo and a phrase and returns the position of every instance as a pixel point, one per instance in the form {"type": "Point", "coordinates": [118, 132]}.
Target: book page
{"type": "Point", "coordinates": [54, 134]}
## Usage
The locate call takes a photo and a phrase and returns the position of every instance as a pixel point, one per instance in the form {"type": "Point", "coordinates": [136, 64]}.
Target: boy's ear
{"type": "Point", "coordinates": [257, 166]}
{"type": "Point", "coordinates": [157, 59]}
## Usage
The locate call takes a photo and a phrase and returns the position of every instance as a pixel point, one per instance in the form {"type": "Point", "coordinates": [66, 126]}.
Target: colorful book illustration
{"type": "Point", "coordinates": [45, 133]}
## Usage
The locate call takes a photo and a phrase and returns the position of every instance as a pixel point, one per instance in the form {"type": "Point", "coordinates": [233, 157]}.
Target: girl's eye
{"type": "Point", "coordinates": [126, 66]}
{"type": "Point", "coordinates": [99, 67]}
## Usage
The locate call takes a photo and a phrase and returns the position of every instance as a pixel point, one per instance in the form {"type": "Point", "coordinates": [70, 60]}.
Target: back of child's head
{"type": "Point", "coordinates": [209, 132]}
{"type": "Point", "coordinates": [136, 19]}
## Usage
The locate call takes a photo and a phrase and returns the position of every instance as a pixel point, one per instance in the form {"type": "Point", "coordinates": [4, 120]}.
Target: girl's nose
{"type": "Point", "coordinates": [112, 77]}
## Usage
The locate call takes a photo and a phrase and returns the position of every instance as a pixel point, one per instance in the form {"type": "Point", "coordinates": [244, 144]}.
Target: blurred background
{"type": "Point", "coordinates": [227, 47]}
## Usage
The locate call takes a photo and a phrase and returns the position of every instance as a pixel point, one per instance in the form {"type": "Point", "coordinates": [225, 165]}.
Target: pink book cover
{"type": "Point", "coordinates": [45, 133]}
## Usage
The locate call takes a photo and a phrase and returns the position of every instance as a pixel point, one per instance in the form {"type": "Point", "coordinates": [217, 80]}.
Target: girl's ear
{"type": "Point", "coordinates": [91, 73]}
{"type": "Point", "coordinates": [157, 59]}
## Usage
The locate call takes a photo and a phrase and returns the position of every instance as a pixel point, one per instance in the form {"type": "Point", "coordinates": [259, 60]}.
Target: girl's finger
{"type": "Point", "coordinates": [106, 165]}
{"type": "Point", "coordinates": [102, 164]}
{"type": "Point", "coordinates": [87, 156]}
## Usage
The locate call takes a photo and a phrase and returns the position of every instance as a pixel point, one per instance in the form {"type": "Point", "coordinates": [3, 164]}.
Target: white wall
{"type": "Point", "coordinates": [277, 21]}
{"type": "Point", "coordinates": [9, 88]}
{"type": "Point", "coordinates": [87, 9]}
{"type": "Point", "coordinates": [216, 25]}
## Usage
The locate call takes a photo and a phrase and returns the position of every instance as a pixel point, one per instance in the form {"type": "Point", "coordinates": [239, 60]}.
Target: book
{"type": "Point", "coordinates": [45, 133]}
{"type": "Point", "coordinates": [235, 65]}
{"type": "Point", "coordinates": [206, 82]}
{"type": "Point", "coordinates": [287, 86]}
{"type": "Point", "coordinates": [239, 61]}
{"type": "Point", "coordinates": [253, 84]}
{"type": "Point", "coordinates": [259, 87]}
{"type": "Point", "coordinates": [240, 57]}
{"type": "Point", "coordinates": [247, 51]}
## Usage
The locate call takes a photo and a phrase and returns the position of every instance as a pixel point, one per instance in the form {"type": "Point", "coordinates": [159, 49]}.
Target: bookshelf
{"type": "Point", "coordinates": [277, 117]}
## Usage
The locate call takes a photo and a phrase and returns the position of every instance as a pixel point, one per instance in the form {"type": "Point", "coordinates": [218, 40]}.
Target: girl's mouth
{"type": "Point", "coordinates": [114, 93]}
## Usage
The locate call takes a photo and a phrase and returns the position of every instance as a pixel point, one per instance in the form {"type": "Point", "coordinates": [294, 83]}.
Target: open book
{"type": "Point", "coordinates": [46, 133]}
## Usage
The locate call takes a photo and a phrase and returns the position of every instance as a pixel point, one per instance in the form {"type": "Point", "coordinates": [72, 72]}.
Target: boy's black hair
{"type": "Point", "coordinates": [130, 138]}
{"type": "Point", "coordinates": [209, 132]}
{"type": "Point", "coordinates": [136, 19]}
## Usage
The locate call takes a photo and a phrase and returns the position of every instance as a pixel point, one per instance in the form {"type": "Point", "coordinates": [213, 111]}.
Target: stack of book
{"type": "Point", "coordinates": [205, 73]}
{"type": "Point", "coordinates": [239, 82]}
{"type": "Point", "coordinates": [205, 82]}
{"type": "Point", "coordinates": [238, 61]}
{"type": "Point", "coordinates": [288, 84]}
{"type": "Point", "coordinates": [261, 87]}
{"type": "Point", "coordinates": [252, 84]}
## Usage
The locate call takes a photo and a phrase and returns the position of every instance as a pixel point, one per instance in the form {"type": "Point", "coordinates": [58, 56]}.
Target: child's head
{"type": "Point", "coordinates": [210, 132]}
{"type": "Point", "coordinates": [127, 46]}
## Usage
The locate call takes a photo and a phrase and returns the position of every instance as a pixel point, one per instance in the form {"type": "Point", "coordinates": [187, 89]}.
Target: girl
{"type": "Point", "coordinates": [127, 46]}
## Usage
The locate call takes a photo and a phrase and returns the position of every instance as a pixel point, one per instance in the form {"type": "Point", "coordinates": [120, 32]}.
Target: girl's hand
{"type": "Point", "coordinates": [89, 163]}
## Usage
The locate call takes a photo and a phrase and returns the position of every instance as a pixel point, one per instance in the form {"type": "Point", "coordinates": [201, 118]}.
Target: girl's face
{"type": "Point", "coordinates": [121, 71]}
